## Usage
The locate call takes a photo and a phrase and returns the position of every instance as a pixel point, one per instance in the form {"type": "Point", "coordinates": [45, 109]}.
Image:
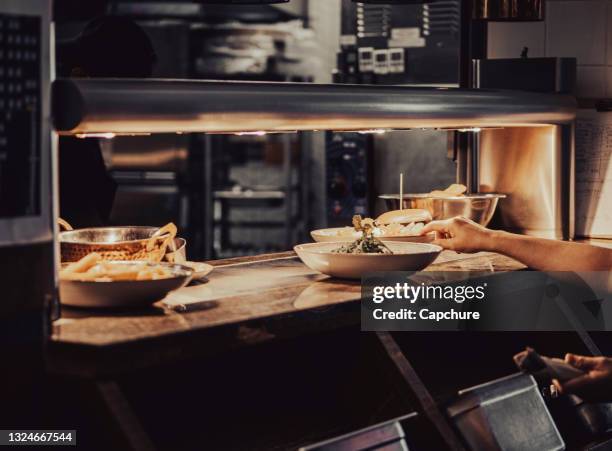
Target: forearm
{"type": "Point", "coordinates": [550, 255]}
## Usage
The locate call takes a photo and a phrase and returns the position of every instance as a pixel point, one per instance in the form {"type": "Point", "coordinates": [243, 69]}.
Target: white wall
{"type": "Point", "coordinates": [324, 19]}
{"type": "Point", "coordinates": [573, 28]}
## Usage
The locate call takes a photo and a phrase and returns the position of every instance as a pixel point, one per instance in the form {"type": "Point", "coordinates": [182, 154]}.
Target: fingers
{"type": "Point", "coordinates": [445, 243]}
{"type": "Point", "coordinates": [584, 387]}
{"type": "Point", "coordinates": [582, 362]}
{"type": "Point", "coordinates": [435, 226]}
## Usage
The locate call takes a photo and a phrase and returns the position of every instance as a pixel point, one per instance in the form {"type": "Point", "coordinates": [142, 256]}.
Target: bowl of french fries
{"type": "Point", "coordinates": [118, 242]}
{"type": "Point", "coordinates": [448, 203]}
{"type": "Point", "coordinates": [95, 282]}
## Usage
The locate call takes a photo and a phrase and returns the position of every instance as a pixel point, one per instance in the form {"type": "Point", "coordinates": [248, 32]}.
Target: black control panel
{"type": "Point", "coordinates": [20, 115]}
{"type": "Point", "coordinates": [347, 176]}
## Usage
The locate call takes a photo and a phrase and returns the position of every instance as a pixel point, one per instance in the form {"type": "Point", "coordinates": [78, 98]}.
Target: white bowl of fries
{"type": "Point", "coordinates": [93, 282]}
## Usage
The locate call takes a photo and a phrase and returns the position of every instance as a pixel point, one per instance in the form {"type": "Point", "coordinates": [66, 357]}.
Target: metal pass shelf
{"type": "Point", "coordinates": [82, 106]}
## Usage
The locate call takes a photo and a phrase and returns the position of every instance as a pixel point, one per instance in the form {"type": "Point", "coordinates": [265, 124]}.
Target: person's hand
{"type": "Point", "coordinates": [460, 234]}
{"type": "Point", "coordinates": [596, 384]}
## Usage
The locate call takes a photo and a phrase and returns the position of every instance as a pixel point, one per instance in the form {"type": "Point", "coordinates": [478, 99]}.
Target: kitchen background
{"type": "Point", "coordinates": [266, 192]}
{"type": "Point", "coordinates": [582, 30]}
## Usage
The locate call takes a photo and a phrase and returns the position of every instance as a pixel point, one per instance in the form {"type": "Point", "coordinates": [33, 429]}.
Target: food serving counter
{"type": "Point", "coordinates": [246, 301]}
{"type": "Point", "coordinates": [248, 309]}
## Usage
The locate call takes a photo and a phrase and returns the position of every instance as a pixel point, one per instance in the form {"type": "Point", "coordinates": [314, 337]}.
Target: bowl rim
{"type": "Point", "coordinates": [321, 232]}
{"type": "Point", "coordinates": [429, 196]}
{"type": "Point", "coordinates": [182, 272]}
{"type": "Point", "coordinates": [64, 233]}
{"type": "Point", "coordinates": [431, 248]}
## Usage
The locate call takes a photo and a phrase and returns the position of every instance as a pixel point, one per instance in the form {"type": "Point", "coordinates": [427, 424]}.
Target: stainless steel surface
{"type": "Point", "coordinates": [168, 106]}
{"type": "Point", "coordinates": [477, 207]}
{"type": "Point", "coordinates": [123, 293]}
{"type": "Point", "coordinates": [508, 10]}
{"type": "Point", "coordinates": [108, 235]}
{"type": "Point", "coordinates": [534, 168]}
{"type": "Point", "coordinates": [505, 414]}
{"type": "Point", "coordinates": [147, 153]}
{"type": "Point", "coordinates": [420, 156]}
{"type": "Point", "coordinates": [596, 417]}
{"type": "Point", "coordinates": [37, 228]}
{"type": "Point", "coordinates": [550, 74]}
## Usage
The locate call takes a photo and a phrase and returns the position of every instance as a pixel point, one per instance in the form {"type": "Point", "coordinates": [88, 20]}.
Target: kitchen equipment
{"type": "Point", "coordinates": [389, 436]}
{"type": "Point", "coordinates": [477, 207]}
{"type": "Point", "coordinates": [595, 417]}
{"type": "Point", "coordinates": [347, 171]}
{"type": "Point", "coordinates": [535, 166]}
{"type": "Point", "coordinates": [508, 10]}
{"type": "Point", "coordinates": [123, 293]}
{"type": "Point", "coordinates": [405, 257]}
{"type": "Point", "coordinates": [114, 243]}
{"type": "Point", "coordinates": [505, 414]}
{"type": "Point", "coordinates": [27, 204]}
{"type": "Point", "coordinates": [590, 420]}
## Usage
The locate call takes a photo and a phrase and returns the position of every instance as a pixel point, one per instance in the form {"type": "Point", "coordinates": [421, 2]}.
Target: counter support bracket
{"type": "Point", "coordinates": [426, 402]}
{"type": "Point", "coordinates": [123, 416]}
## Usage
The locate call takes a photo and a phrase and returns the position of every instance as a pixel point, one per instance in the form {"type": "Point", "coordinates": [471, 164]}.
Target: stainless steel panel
{"type": "Point", "coordinates": [533, 167]}
{"type": "Point", "coordinates": [505, 414]}
{"type": "Point", "coordinates": [158, 106]}
{"type": "Point", "coordinates": [37, 228]}
{"type": "Point", "coordinates": [147, 153]}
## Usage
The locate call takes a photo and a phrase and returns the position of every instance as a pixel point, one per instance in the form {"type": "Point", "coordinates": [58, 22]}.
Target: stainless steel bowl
{"type": "Point", "coordinates": [108, 235]}
{"type": "Point", "coordinates": [477, 207]}
{"type": "Point", "coordinates": [123, 293]}
{"type": "Point", "coordinates": [180, 254]}
{"type": "Point", "coordinates": [114, 243]}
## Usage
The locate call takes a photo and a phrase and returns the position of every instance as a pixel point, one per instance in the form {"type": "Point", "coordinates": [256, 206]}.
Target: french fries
{"type": "Point", "coordinates": [84, 264]}
{"type": "Point", "coordinates": [170, 230]}
{"type": "Point", "coordinates": [93, 268]}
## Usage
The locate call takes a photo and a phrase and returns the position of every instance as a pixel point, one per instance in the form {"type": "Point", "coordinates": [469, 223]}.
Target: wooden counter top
{"type": "Point", "coordinates": [245, 301]}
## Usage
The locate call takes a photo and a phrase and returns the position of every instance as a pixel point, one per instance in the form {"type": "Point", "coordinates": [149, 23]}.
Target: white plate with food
{"type": "Point", "coordinates": [91, 282]}
{"type": "Point", "coordinates": [351, 260]}
{"type": "Point", "coordinates": [332, 258]}
{"type": "Point", "coordinates": [398, 225]}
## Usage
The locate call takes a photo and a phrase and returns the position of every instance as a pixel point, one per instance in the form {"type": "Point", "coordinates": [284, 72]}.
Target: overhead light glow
{"type": "Point", "coordinates": [96, 135]}
{"type": "Point", "coordinates": [375, 131]}
{"type": "Point", "coordinates": [257, 133]}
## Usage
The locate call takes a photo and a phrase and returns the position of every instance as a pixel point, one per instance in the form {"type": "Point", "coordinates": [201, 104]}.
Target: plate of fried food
{"type": "Point", "coordinates": [367, 253]}
{"type": "Point", "coordinates": [396, 225]}
{"type": "Point", "coordinates": [95, 282]}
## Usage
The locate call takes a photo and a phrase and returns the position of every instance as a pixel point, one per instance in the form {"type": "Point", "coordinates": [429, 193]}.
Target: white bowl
{"type": "Point", "coordinates": [331, 235]}
{"type": "Point", "coordinates": [123, 293]}
{"type": "Point", "coordinates": [405, 257]}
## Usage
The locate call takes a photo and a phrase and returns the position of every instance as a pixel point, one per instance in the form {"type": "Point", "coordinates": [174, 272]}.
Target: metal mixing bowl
{"type": "Point", "coordinates": [114, 243]}
{"type": "Point", "coordinates": [477, 207]}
